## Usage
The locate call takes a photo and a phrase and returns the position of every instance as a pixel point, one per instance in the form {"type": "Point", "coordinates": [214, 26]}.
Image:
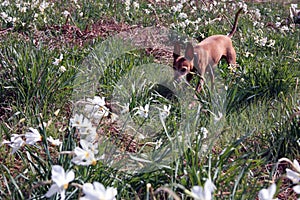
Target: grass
{"type": "Point", "coordinates": [252, 118]}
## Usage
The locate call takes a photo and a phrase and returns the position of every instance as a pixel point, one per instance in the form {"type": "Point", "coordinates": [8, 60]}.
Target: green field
{"type": "Point", "coordinates": [97, 77]}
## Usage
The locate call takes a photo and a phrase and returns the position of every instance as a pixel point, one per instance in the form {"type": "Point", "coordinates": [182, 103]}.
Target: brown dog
{"type": "Point", "coordinates": [205, 56]}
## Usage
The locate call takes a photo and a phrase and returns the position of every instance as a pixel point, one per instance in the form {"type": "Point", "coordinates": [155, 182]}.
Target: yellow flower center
{"type": "Point", "coordinates": [87, 154]}
{"type": "Point", "coordinates": [94, 162]}
{"type": "Point", "coordinates": [66, 186]}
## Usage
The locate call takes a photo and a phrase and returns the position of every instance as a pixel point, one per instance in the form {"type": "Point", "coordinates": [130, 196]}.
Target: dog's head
{"type": "Point", "coordinates": [183, 65]}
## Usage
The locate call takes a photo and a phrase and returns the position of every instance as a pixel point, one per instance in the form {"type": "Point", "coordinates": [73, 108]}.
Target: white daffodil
{"type": "Point", "coordinates": [97, 108]}
{"type": "Point", "coordinates": [204, 132]}
{"type": "Point", "coordinates": [100, 101]}
{"type": "Point", "coordinates": [86, 154]}
{"type": "Point", "coordinates": [263, 41]}
{"type": "Point", "coordinates": [271, 43]}
{"type": "Point", "coordinates": [182, 15]}
{"type": "Point", "coordinates": [86, 129]}
{"type": "Point", "coordinates": [203, 193]}
{"type": "Point", "coordinates": [136, 5]}
{"type": "Point", "coordinates": [126, 108]}
{"type": "Point", "coordinates": [61, 181]}
{"type": "Point", "coordinates": [267, 194]}
{"type": "Point", "coordinates": [177, 8]}
{"type": "Point", "coordinates": [165, 112]}
{"type": "Point", "coordinates": [33, 136]}
{"type": "Point", "coordinates": [58, 60]}
{"type": "Point", "coordinates": [294, 12]}
{"type": "Point", "coordinates": [294, 176]}
{"type": "Point", "coordinates": [80, 121]}
{"type": "Point", "coordinates": [43, 6]}
{"type": "Point", "coordinates": [16, 142]}
{"type": "Point", "coordinates": [66, 13]}
{"type": "Point", "coordinates": [62, 69]}
{"type": "Point", "coordinates": [143, 111]}
{"type": "Point", "coordinates": [97, 191]}
{"type": "Point", "coordinates": [217, 117]}
{"type": "Point", "coordinates": [127, 4]}
{"type": "Point", "coordinates": [54, 142]}
{"type": "Point", "coordinates": [4, 15]}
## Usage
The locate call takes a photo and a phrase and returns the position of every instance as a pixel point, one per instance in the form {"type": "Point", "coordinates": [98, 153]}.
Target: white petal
{"type": "Point", "coordinates": [99, 187]}
{"type": "Point", "coordinates": [53, 189]}
{"type": "Point", "coordinates": [79, 152]}
{"type": "Point", "coordinates": [77, 161]}
{"type": "Point", "coordinates": [54, 142]}
{"type": "Point", "coordinates": [209, 186]}
{"type": "Point", "coordinates": [297, 189]}
{"type": "Point", "coordinates": [17, 144]}
{"type": "Point", "coordinates": [58, 175]}
{"type": "Point", "coordinates": [267, 194]}
{"type": "Point", "coordinates": [293, 176]}
{"type": "Point", "coordinates": [198, 192]}
{"type": "Point", "coordinates": [272, 190]}
{"type": "Point", "coordinates": [297, 166]}
{"type": "Point", "coordinates": [14, 137]}
{"type": "Point", "coordinates": [62, 195]}
{"type": "Point", "coordinates": [87, 187]}
{"type": "Point", "coordinates": [32, 137]}
{"type": "Point", "coordinates": [5, 142]}
{"type": "Point", "coordinates": [90, 192]}
{"type": "Point", "coordinates": [84, 144]}
{"type": "Point", "coordinates": [111, 193]}
{"type": "Point", "coordinates": [147, 107]}
{"type": "Point", "coordinates": [70, 176]}
{"type": "Point", "coordinates": [263, 194]}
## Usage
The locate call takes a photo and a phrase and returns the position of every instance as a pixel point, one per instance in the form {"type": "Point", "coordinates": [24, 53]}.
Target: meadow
{"type": "Point", "coordinates": [89, 108]}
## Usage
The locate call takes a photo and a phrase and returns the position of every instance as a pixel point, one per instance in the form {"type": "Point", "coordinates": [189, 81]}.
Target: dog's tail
{"type": "Point", "coordinates": [235, 23]}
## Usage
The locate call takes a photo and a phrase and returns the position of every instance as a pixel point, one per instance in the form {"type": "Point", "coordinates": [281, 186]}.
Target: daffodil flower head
{"type": "Point", "coordinates": [61, 181]}
{"type": "Point", "coordinates": [294, 175]}
{"type": "Point", "coordinates": [97, 191]}
{"type": "Point", "coordinates": [54, 142]}
{"type": "Point", "coordinates": [267, 194]}
{"type": "Point", "coordinates": [96, 108]}
{"type": "Point", "coordinates": [205, 192]}
{"type": "Point", "coordinates": [143, 111]}
{"type": "Point", "coordinates": [204, 132]}
{"type": "Point", "coordinates": [86, 154]}
{"type": "Point", "coordinates": [58, 60]}
{"type": "Point", "coordinates": [16, 142]}
{"type": "Point", "coordinates": [33, 136]}
{"type": "Point", "coordinates": [165, 112]}
{"type": "Point", "coordinates": [296, 189]}
{"type": "Point", "coordinates": [79, 121]}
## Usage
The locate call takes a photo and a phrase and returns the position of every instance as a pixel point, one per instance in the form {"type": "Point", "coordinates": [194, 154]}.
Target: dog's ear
{"type": "Point", "coordinates": [189, 51]}
{"type": "Point", "coordinates": [176, 52]}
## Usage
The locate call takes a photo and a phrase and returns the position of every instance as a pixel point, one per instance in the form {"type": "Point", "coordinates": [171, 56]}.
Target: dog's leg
{"type": "Point", "coordinates": [212, 76]}
{"type": "Point", "coordinates": [231, 57]}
